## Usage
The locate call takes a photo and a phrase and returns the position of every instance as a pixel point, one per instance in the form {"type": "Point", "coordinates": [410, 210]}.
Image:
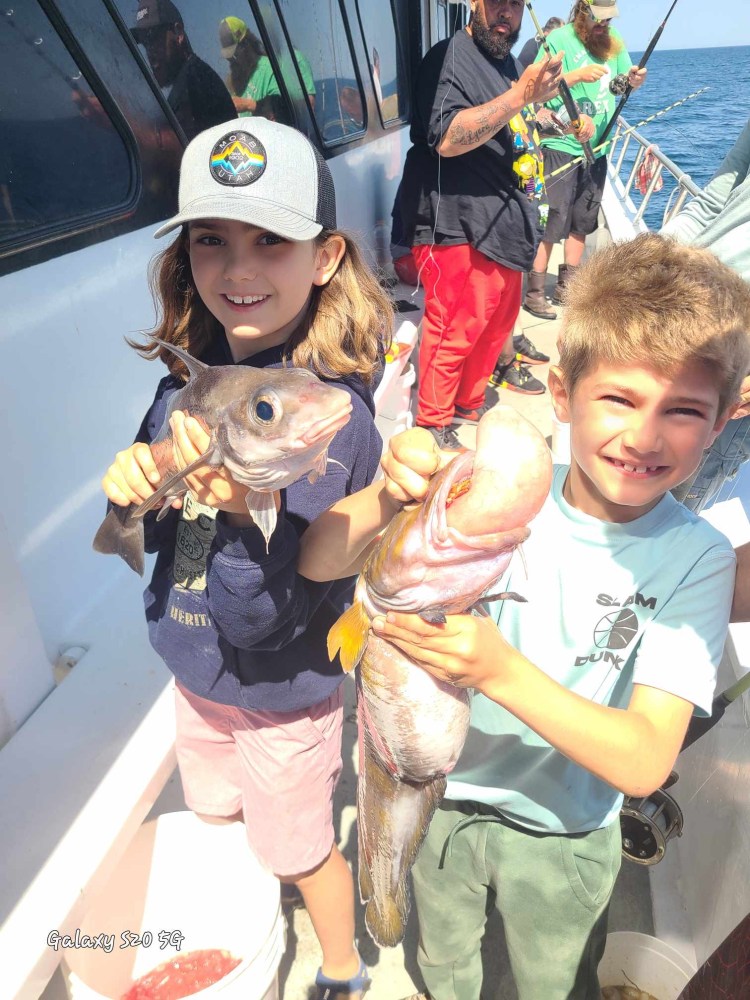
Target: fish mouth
{"type": "Point", "coordinates": [327, 426]}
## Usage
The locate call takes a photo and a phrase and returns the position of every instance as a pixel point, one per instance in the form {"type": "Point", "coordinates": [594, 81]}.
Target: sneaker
{"type": "Point", "coordinates": [446, 438]}
{"type": "Point", "coordinates": [526, 352]}
{"type": "Point", "coordinates": [464, 416]}
{"type": "Point", "coordinates": [343, 989]}
{"type": "Point", "coordinates": [517, 378]}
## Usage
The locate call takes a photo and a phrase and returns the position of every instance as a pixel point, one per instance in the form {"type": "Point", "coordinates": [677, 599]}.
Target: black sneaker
{"type": "Point", "coordinates": [463, 416]}
{"type": "Point", "coordinates": [446, 438]}
{"type": "Point", "coordinates": [526, 352]}
{"type": "Point", "coordinates": [517, 378]}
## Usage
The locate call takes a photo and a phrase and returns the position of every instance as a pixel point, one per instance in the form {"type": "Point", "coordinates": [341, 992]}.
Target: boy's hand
{"type": "Point", "coordinates": [132, 477]}
{"type": "Point", "coordinates": [412, 459]}
{"type": "Point", "coordinates": [467, 651]}
{"type": "Point", "coordinates": [212, 486]}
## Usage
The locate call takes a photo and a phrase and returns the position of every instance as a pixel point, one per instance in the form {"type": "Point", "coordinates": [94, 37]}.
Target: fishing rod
{"type": "Point", "coordinates": [629, 130]}
{"type": "Point", "coordinates": [699, 727]}
{"type": "Point", "coordinates": [628, 90]}
{"type": "Point", "coordinates": [570, 105]}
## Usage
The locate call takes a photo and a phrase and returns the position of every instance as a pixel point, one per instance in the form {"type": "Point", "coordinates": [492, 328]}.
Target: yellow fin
{"type": "Point", "coordinates": [348, 636]}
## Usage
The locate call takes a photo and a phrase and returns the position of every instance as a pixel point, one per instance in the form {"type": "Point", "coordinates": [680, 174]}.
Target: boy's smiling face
{"type": "Point", "coordinates": [635, 433]}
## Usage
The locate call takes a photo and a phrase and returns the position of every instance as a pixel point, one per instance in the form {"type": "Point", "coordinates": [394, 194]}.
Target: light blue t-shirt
{"type": "Point", "coordinates": [609, 605]}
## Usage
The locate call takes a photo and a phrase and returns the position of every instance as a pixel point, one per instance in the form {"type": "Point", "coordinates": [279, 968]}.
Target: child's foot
{"type": "Point", "coordinates": [343, 989]}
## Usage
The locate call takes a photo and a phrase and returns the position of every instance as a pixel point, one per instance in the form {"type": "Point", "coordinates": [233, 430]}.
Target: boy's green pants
{"type": "Point", "coordinates": [552, 891]}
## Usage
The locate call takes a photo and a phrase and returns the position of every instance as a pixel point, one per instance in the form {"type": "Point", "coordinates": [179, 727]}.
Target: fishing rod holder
{"type": "Point", "coordinates": [648, 824]}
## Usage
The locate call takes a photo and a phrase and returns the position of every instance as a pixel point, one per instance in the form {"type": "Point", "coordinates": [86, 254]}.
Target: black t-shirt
{"type": "Point", "coordinates": [476, 198]}
{"type": "Point", "coordinates": [199, 97]}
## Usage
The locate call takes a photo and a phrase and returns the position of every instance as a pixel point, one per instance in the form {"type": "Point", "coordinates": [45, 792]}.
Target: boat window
{"type": "Point", "coordinates": [379, 28]}
{"type": "Point", "coordinates": [209, 59]}
{"type": "Point", "coordinates": [323, 54]}
{"type": "Point", "coordinates": [451, 17]}
{"type": "Point", "coordinates": [61, 158]}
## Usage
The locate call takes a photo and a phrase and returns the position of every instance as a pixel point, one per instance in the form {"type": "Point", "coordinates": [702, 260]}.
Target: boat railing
{"type": "Point", "coordinates": [622, 164]}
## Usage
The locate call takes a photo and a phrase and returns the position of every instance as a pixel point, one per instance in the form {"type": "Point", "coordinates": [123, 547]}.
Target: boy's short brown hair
{"type": "Point", "coordinates": [654, 302]}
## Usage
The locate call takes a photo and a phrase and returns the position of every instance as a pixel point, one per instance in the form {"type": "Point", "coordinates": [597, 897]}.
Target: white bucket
{"type": "Point", "coordinates": [198, 879]}
{"type": "Point", "coordinates": [653, 966]}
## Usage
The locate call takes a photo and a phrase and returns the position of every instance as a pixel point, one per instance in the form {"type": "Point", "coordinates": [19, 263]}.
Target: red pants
{"type": "Point", "coordinates": [471, 305]}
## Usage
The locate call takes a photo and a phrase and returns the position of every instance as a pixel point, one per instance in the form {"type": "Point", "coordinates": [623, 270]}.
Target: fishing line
{"type": "Point", "coordinates": [628, 131]}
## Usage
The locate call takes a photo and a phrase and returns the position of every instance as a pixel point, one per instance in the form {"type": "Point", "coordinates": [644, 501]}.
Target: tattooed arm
{"type": "Point", "coordinates": [472, 127]}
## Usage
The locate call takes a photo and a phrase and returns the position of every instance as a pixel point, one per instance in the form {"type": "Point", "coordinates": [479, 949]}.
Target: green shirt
{"type": "Point", "coordinates": [262, 83]}
{"type": "Point", "coordinates": [593, 99]}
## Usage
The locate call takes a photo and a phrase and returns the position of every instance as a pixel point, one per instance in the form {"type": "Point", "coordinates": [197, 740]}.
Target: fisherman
{"type": "Point", "coordinates": [585, 690]}
{"type": "Point", "coordinates": [594, 54]}
{"type": "Point", "coordinates": [197, 95]}
{"type": "Point", "coordinates": [468, 216]}
{"type": "Point", "coordinates": [528, 53]}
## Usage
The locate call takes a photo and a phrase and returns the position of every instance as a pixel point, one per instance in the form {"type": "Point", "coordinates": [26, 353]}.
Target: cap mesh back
{"type": "Point", "coordinates": [326, 210]}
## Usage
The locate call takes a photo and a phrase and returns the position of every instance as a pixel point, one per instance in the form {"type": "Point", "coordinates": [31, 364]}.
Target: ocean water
{"type": "Point", "coordinates": [698, 134]}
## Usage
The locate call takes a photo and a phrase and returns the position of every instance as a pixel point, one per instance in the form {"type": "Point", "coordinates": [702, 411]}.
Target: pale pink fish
{"type": "Point", "coordinates": [438, 558]}
{"type": "Point", "coordinates": [268, 428]}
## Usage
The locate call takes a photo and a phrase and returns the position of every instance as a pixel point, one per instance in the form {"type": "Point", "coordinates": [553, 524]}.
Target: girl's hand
{"type": "Point", "coordinates": [467, 651]}
{"type": "Point", "coordinates": [132, 477]}
{"type": "Point", "coordinates": [212, 486]}
{"type": "Point", "coordinates": [412, 459]}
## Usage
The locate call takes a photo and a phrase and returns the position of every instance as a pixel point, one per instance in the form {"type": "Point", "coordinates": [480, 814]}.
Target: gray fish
{"type": "Point", "coordinates": [269, 427]}
{"type": "Point", "coordinates": [438, 558]}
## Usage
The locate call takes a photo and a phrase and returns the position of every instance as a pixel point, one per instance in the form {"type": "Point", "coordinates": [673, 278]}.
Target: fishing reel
{"type": "Point", "coordinates": [619, 85]}
{"type": "Point", "coordinates": [648, 824]}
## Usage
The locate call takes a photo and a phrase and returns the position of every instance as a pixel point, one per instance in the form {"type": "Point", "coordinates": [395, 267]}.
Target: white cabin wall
{"type": "Point", "coordinates": [714, 793]}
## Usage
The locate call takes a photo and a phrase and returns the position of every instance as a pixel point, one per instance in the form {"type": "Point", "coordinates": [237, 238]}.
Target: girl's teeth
{"type": "Point", "coordinates": [245, 300]}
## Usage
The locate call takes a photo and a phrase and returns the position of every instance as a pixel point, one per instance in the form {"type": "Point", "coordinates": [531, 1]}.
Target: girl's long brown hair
{"type": "Point", "coordinates": [346, 329]}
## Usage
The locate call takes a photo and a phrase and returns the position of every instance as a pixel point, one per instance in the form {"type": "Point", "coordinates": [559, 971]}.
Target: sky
{"type": "Point", "coordinates": [692, 24]}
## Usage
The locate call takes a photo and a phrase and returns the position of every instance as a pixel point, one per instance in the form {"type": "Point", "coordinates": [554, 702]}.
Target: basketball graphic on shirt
{"type": "Point", "coordinates": [616, 630]}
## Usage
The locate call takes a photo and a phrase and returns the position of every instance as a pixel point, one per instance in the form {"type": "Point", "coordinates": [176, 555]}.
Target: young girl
{"type": "Point", "coordinates": [259, 276]}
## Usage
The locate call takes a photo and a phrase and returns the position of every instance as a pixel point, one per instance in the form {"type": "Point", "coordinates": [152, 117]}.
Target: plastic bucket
{"type": "Point", "coordinates": [182, 877]}
{"type": "Point", "coordinates": [655, 967]}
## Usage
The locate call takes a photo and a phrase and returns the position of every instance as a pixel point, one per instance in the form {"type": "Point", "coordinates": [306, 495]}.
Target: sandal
{"type": "Point", "coordinates": [343, 989]}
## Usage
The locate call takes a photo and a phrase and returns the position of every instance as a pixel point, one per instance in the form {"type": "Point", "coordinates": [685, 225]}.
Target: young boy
{"type": "Point", "coordinates": [584, 692]}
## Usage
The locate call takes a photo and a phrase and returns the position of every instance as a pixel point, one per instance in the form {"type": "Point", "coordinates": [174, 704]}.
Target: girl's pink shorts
{"type": "Point", "coordinates": [279, 768]}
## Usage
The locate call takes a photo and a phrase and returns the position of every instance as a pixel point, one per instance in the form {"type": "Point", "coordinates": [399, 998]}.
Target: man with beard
{"type": "Point", "coordinates": [471, 219]}
{"type": "Point", "coordinates": [594, 53]}
{"type": "Point", "coordinates": [197, 96]}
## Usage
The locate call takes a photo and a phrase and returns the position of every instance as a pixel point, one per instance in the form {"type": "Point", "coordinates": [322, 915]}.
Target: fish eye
{"type": "Point", "coordinates": [265, 409]}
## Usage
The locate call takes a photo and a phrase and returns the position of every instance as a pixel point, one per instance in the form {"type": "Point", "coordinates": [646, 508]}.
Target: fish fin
{"type": "Point", "coordinates": [174, 486]}
{"type": "Point", "coordinates": [348, 636]}
{"type": "Point", "coordinates": [319, 469]}
{"type": "Point", "coordinates": [505, 595]}
{"type": "Point", "coordinates": [121, 534]}
{"type": "Point", "coordinates": [262, 509]}
{"type": "Point", "coordinates": [392, 820]}
{"type": "Point", "coordinates": [433, 615]}
{"type": "Point", "coordinates": [193, 365]}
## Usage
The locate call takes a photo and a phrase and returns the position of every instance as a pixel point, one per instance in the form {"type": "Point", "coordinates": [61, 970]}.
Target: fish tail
{"type": "Point", "coordinates": [348, 636]}
{"type": "Point", "coordinates": [385, 919]}
{"type": "Point", "coordinates": [392, 821]}
{"type": "Point", "coordinates": [121, 534]}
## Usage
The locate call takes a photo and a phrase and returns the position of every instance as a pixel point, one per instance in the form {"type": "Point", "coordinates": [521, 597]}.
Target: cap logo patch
{"type": "Point", "coordinates": [238, 158]}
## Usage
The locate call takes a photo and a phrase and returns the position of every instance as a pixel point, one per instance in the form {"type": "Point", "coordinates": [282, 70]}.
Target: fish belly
{"type": "Point", "coordinates": [411, 731]}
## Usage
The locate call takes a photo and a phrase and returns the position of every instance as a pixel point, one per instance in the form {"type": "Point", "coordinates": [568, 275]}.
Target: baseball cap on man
{"type": "Point", "coordinates": [152, 13]}
{"type": "Point", "coordinates": [231, 32]}
{"type": "Point", "coordinates": [256, 171]}
{"type": "Point", "coordinates": [603, 9]}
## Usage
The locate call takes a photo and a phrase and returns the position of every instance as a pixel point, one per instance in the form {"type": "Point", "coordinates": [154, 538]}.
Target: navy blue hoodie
{"type": "Point", "coordinates": [234, 623]}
